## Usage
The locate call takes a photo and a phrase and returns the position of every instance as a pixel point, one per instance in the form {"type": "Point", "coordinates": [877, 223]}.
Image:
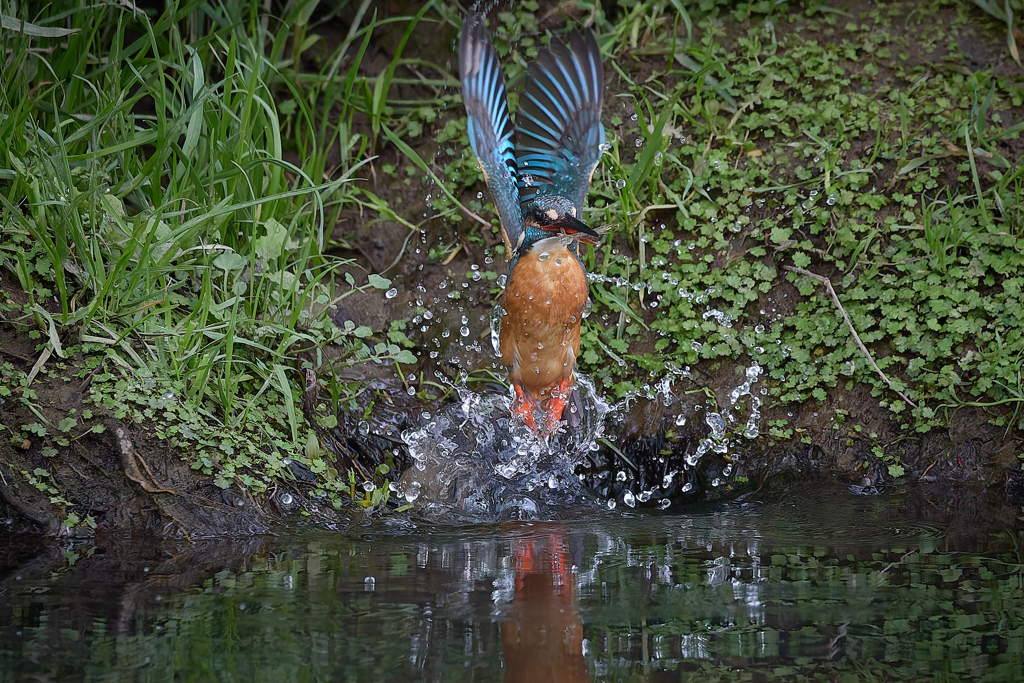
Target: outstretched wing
{"type": "Point", "coordinates": [558, 126]}
{"type": "Point", "coordinates": [490, 129]}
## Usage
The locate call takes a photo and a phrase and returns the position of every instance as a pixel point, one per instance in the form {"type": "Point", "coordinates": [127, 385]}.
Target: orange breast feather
{"type": "Point", "coordinates": [540, 331]}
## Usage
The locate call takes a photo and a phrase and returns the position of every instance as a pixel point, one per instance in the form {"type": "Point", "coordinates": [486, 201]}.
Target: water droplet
{"type": "Point", "coordinates": [543, 256]}
{"type": "Point", "coordinates": [611, 504]}
{"type": "Point", "coordinates": [391, 293]}
{"type": "Point", "coordinates": [369, 486]}
{"type": "Point", "coordinates": [464, 331]}
{"type": "Point", "coordinates": [621, 476]}
{"type": "Point", "coordinates": [664, 503]}
{"type": "Point", "coordinates": [627, 498]}
{"type": "Point", "coordinates": [688, 487]}
{"type": "Point", "coordinates": [620, 184]}
{"type": "Point", "coordinates": [717, 424]}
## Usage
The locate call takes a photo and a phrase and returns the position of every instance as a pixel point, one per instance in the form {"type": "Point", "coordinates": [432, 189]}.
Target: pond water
{"type": "Point", "coordinates": [803, 583]}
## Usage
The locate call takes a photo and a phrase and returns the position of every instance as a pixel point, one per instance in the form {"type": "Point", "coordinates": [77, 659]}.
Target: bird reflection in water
{"type": "Point", "coordinates": [543, 637]}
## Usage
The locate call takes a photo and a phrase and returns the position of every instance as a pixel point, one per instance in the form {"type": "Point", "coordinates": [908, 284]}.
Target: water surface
{"type": "Point", "coordinates": [808, 583]}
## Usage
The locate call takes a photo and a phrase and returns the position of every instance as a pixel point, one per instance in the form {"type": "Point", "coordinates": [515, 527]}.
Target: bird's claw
{"type": "Point", "coordinates": [523, 406]}
{"type": "Point", "coordinates": [556, 407]}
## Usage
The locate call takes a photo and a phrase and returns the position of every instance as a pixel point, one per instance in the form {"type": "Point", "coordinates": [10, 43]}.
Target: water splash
{"type": "Point", "coordinates": [695, 459]}
{"type": "Point", "coordinates": [473, 463]}
{"type": "Point", "coordinates": [751, 429]}
{"type": "Point", "coordinates": [717, 440]}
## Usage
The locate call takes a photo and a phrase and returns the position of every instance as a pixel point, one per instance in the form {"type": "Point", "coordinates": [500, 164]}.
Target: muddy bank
{"type": "Point", "coordinates": [127, 477]}
{"type": "Point", "coordinates": [129, 482]}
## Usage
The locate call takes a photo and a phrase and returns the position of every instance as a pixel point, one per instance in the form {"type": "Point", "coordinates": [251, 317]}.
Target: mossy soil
{"type": "Point", "coordinates": [125, 478]}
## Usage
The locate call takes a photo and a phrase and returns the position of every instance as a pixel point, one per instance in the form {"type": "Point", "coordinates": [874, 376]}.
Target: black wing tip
{"type": "Point", "coordinates": [475, 27]}
{"type": "Point", "coordinates": [473, 45]}
{"type": "Point", "coordinates": [483, 86]}
{"type": "Point", "coordinates": [593, 50]}
{"type": "Point", "coordinates": [580, 43]}
{"type": "Point", "coordinates": [587, 42]}
{"type": "Point", "coordinates": [581, 55]}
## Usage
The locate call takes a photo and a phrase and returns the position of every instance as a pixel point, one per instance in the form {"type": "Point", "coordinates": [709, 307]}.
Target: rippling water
{"type": "Point", "coordinates": [808, 583]}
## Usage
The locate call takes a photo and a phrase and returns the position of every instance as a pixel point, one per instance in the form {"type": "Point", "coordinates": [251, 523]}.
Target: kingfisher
{"type": "Point", "coordinates": [538, 173]}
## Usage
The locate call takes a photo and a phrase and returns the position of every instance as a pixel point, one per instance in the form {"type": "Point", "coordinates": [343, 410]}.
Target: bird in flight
{"type": "Point", "coordinates": [538, 173]}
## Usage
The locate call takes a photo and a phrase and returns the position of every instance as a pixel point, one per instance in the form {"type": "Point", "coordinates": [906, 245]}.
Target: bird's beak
{"type": "Point", "coordinates": [578, 230]}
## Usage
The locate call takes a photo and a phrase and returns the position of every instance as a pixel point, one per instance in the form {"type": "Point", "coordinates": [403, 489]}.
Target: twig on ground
{"type": "Point", "coordinates": [856, 337]}
{"type": "Point", "coordinates": [130, 460]}
{"type": "Point", "coordinates": [925, 473]}
{"type": "Point", "coordinates": [16, 355]}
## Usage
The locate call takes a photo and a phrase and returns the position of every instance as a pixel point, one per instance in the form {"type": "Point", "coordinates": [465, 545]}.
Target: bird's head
{"type": "Point", "coordinates": [557, 215]}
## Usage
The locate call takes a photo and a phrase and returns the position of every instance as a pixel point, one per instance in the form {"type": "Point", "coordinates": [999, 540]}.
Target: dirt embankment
{"type": "Point", "coordinates": [127, 480]}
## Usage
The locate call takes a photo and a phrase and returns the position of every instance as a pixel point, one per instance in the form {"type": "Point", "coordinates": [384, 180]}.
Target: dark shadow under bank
{"type": "Point", "coordinates": [132, 484]}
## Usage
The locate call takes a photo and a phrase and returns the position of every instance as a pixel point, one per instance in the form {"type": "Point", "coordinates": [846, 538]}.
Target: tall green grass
{"type": "Point", "coordinates": [150, 214]}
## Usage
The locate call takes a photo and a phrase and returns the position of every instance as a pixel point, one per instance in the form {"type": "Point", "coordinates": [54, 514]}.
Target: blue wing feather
{"type": "Point", "coordinates": [490, 129]}
{"type": "Point", "coordinates": [558, 125]}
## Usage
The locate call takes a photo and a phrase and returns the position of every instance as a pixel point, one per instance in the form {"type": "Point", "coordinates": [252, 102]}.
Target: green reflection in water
{"type": "Point", "coordinates": [819, 586]}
